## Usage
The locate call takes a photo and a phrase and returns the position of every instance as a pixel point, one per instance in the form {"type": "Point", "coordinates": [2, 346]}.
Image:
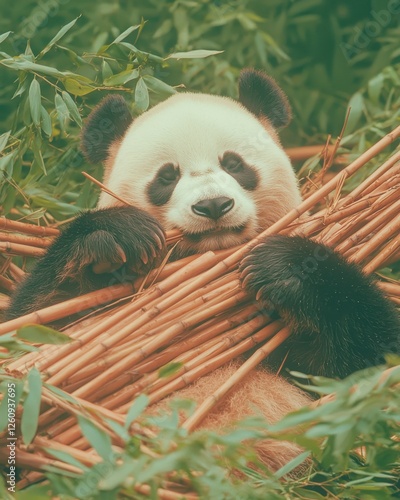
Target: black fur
{"type": "Point", "coordinates": [261, 95]}
{"type": "Point", "coordinates": [160, 189]}
{"type": "Point", "coordinates": [234, 164]}
{"type": "Point", "coordinates": [107, 123]}
{"type": "Point", "coordinates": [341, 321]}
{"type": "Point", "coordinates": [99, 248]}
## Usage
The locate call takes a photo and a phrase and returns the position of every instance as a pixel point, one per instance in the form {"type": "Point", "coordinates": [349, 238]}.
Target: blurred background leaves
{"type": "Point", "coordinates": [60, 57]}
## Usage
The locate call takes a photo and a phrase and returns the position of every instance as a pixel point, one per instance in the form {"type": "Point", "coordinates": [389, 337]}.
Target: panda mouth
{"type": "Point", "coordinates": [218, 232]}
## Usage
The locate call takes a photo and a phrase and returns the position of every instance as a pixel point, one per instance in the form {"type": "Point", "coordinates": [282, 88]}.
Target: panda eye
{"type": "Point", "coordinates": [168, 173]}
{"type": "Point", "coordinates": [231, 162]}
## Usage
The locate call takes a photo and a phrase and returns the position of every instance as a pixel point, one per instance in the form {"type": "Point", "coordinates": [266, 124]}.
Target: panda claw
{"type": "Point", "coordinates": [144, 257]}
{"type": "Point", "coordinates": [260, 293]}
{"type": "Point", "coordinates": [121, 255]}
{"type": "Point", "coordinates": [244, 260]}
{"type": "Point", "coordinates": [244, 280]}
{"type": "Point", "coordinates": [153, 252]}
{"type": "Point", "coordinates": [158, 241]}
{"type": "Point", "coordinates": [245, 270]}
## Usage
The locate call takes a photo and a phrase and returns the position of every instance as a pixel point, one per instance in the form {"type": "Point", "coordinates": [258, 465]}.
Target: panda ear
{"type": "Point", "coordinates": [261, 95]}
{"type": "Point", "coordinates": [107, 123]}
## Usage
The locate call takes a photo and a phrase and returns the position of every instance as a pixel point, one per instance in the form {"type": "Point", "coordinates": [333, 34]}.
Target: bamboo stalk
{"type": "Point", "coordinates": [379, 260]}
{"type": "Point", "coordinates": [18, 249]}
{"type": "Point", "coordinates": [261, 353]}
{"type": "Point", "coordinates": [16, 272]}
{"type": "Point", "coordinates": [6, 284]}
{"type": "Point", "coordinates": [153, 344]}
{"type": "Point", "coordinates": [145, 315]}
{"type": "Point", "coordinates": [371, 226]}
{"type": "Point", "coordinates": [71, 306]}
{"type": "Point", "coordinates": [38, 462]}
{"type": "Point", "coordinates": [24, 228]}
{"type": "Point", "coordinates": [214, 363]}
{"type": "Point", "coordinates": [381, 236]}
{"type": "Point", "coordinates": [390, 288]}
{"type": "Point", "coordinates": [305, 152]}
{"type": "Point", "coordinates": [31, 241]}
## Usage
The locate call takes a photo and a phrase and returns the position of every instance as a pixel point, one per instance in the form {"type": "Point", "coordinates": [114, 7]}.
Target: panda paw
{"type": "Point", "coordinates": [276, 271]}
{"type": "Point", "coordinates": [103, 241]}
{"type": "Point", "coordinates": [99, 248]}
{"type": "Point", "coordinates": [339, 318]}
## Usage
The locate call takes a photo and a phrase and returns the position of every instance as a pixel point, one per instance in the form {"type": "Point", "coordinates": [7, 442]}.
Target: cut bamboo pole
{"type": "Point", "coordinates": [380, 237]}
{"type": "Point", "coordinates": [71, 306]}
{"type": "Point", "coordinates": [31, 241]}
{"type": "Point", "coordinates": [244, 370]}
{"type": "Point", "coordinates": [18, 249]}
{"type": "Point", "coordinates": [24, 228]}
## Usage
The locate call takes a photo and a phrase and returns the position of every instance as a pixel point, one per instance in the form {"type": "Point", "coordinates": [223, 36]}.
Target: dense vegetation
{"type": "Point", "coordinates": [61, 57]}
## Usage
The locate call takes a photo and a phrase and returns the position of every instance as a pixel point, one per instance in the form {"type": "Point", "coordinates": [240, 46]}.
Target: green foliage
{"type": "Point", "coordinates": [42, 335]}
{"type": "Point", "coordinates": [30, 414]}
{"type": "Point", "coordinates": [59, 60]}
{"type": "Point", "coordinates": [352, 441]}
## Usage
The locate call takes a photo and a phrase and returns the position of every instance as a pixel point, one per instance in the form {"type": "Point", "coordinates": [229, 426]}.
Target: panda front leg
{"type": "Point", "coordinates": [340, 320]}
{"type": "Point", "coordinates": [99, 248]}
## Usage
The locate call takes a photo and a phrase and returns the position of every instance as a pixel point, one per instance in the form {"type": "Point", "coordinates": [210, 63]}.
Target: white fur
{"type": "Point", "coordinates": [193, 131]}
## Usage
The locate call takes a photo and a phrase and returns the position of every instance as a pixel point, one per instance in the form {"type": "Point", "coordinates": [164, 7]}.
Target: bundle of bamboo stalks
{"type": "Point", "coordinates": [192, 312]}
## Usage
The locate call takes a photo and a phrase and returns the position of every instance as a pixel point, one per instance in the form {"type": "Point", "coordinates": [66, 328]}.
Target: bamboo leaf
{"type": "Point", "coordinates": [31, 407]}
{"type": "Point", "coordinates": [3, 36]}
{"type": "Point", "coordinates": [356, 104]}
{"type": "Point", "coordinates": [62, 110]}
{"type": "Point", "coordinates": [194, 54]}
{"type": "Point", "coordinates": [21, 89]}
{"type": "Point", "coordinates": [35, 101]}
{"type": "Point", "coordinates": [57, 37]}
{"type": "Point", "coordinates": [45, 122]}
{"type": "Point", "coordinates": [106, 71]}
{"type": "Point", "coordinates": [72, 108]}
{"type": "Point", "coordinates": [99, 439]}
{"type": "Point", "coordinates": [21, 64]}
{"type": "Point", "coordinates": [4, 140]}
{"type": "Point", "coordinates": [42, 335]}
{"type": "Point", "coordinates": [138, 406]}
{"type": "Point", "coordinates": [375, 86]}
{"type": "Point", "coordinates": [158, 86]}
{"type": "Point", "coordinates": [141, 95]}
{"type": "Point", "coordinates": [169, 369]}
{"type": "Point", "coordinates": [122, 78]}
{"type": "Point", "coordinates": [6, 163]}
{"type": "Point", "coordinates": [295, 462]}
{"type": "Point", "coordinates": [67, 458]}
{"type": "Point", "coordinates": [75, 87]}
{"type": "Point", "coordinates": [37, 152]}
{"type": "Point", "coordinates": [125, 33]}
{"type": "Point", "coordinates": [117, 476]}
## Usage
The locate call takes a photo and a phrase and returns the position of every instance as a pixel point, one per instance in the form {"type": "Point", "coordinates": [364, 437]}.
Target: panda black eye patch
{"type": "Point", "coordinates": [160, 189]}
{"type": "Point", "coordinates": [235, 166]}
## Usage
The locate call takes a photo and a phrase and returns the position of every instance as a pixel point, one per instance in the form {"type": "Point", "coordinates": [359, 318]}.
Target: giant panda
{"type": "Point", "coordinates": [214, 168]}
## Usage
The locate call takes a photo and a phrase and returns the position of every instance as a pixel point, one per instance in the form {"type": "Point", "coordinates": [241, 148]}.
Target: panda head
{"type": "Point", "coordinates": [210, 166]}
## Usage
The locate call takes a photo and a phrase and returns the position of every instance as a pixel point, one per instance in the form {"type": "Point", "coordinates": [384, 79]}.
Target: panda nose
{"type": "Point", "coordinates": [213, 208]}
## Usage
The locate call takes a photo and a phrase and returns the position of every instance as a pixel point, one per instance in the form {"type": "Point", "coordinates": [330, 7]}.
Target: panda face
{"type": "Point", "coordinates": [207, 166]}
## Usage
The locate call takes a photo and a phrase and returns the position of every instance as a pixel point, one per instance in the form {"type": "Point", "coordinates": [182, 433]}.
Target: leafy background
{"type": "Point", "coordinates": [312, 47]}
{"type": "Point", "coordinates": [58, 58]}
